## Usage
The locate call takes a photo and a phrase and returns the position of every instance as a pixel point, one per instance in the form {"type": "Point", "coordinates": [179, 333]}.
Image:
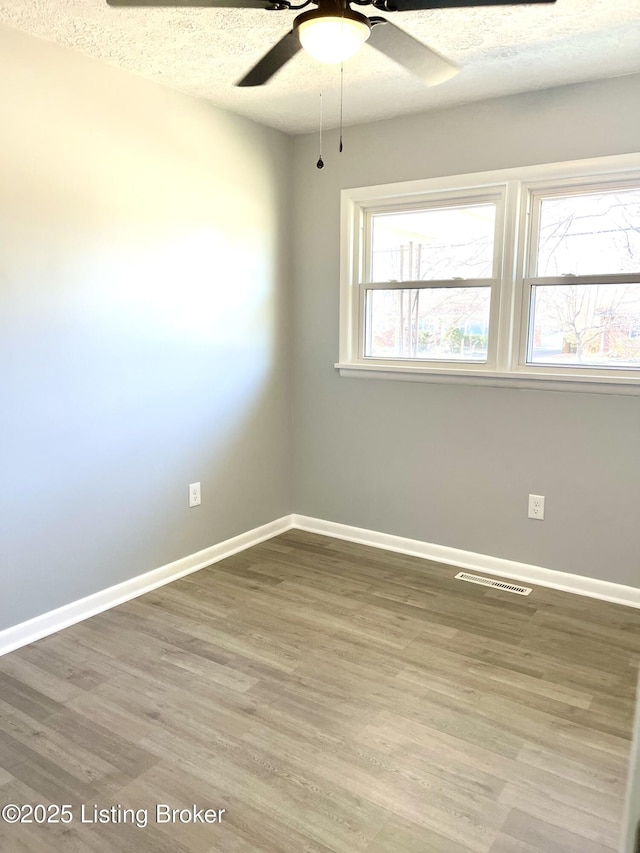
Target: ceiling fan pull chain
{"type": "Point", "coordinates": [341, 101]}
{"type": "Point", "coordinates": [320, 163]}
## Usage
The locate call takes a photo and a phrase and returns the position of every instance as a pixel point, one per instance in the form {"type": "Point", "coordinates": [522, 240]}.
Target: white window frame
{"type": "Point", "coordinates": [533, 195]}
{"type": "Point", "coordinates": [519, 191]}
{"type": "Point", "coordinates": [432, 201]}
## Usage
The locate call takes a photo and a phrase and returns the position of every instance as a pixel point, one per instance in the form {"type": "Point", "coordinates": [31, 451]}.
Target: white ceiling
{"type": "Point", "coordinates": [500, 50]}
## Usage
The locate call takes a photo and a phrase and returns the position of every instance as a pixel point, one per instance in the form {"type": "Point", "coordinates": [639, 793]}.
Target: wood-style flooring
{"type": "Point", "coordinates": [331, 698]}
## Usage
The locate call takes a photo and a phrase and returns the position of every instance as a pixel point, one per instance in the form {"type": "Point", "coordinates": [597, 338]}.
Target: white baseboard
{"type": "Point", "coordinates": [578, 584]}
{"type": "Point", "coordinates": [55, 620]}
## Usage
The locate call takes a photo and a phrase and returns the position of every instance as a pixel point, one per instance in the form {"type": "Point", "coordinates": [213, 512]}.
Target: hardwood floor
{"type": "Point", "coordinates": [331, 698]}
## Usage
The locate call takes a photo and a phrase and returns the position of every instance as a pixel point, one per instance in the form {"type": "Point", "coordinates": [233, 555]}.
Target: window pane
{"type": "Point", "coordinates": [593, 325]}
{"type": "Point", "coordinates": [423, 245]}
{"type": "Point", "coordinates": [590, 234]}
{"type": "Point", "coordinates": [446, 323]}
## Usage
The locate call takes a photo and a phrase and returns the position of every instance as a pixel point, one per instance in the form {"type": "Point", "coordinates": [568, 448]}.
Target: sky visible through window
{"type": "Point", "coordinates": [425, 245]}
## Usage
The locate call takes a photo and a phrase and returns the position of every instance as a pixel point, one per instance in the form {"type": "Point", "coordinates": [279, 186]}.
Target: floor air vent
{"type": "Point", "coordinates": [505, 587]}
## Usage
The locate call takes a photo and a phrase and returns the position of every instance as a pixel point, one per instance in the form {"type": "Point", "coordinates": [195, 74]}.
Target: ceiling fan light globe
{"type": "Point", "coordinates": [332, 39]}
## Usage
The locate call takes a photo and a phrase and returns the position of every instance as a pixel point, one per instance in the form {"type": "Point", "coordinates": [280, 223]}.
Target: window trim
{"type": "Point", "coordinates": [533, 195]}
{"type": "Point", "coordinates": [492, 194]}
{"type": "Point", "coordinates": [506, 365]}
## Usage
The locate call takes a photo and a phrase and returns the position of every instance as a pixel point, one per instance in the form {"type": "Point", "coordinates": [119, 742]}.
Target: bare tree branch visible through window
{"type": "Point", "coordinates": [592, 234]}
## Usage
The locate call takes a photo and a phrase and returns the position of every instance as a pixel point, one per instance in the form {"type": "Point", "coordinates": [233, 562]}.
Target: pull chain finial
{"type": "Point", "coordinates": [320, 163]}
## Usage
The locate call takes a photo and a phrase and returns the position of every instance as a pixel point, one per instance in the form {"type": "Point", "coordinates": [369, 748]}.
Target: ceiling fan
{"type": "Point", "coordinates": [334, 31]}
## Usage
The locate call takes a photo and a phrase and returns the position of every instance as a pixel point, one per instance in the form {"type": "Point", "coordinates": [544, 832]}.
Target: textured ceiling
{"type": "Point", "coordinates": [500, 50]}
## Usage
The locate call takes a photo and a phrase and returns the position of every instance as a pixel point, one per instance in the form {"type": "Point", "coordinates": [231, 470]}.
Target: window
{"type": "Point", "coordinates": [583, 278]}
{"type": "Point", "coordinates": [428, 278]}
{"type": "Point", "coordinates": [530, 275]}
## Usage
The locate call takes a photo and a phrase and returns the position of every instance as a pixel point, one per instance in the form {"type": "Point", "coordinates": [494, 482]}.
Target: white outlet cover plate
{"type": "Point", "coordinates": [194, 494]}
{"type": "Point", "coordinates": [536, 507]}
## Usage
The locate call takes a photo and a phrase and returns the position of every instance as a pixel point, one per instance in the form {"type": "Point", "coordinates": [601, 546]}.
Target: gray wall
{"type": "Point", "coordinates": [454, 465]}
{"type": "Point", "coordinates": [143, 326]}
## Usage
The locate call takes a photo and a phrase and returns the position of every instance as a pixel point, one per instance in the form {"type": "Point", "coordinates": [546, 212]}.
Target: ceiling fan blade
{"type": "Point", "coordinates": [412, 54]}
{"type": "Point", "coordinates": [184, 4]}
{"type": "Point", "coordinates": [272, 61]}
{"type": "Point", "coordinates": [416, 5]}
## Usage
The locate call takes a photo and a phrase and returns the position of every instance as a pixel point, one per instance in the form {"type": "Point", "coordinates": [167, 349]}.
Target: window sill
{"type": "Point", "coordinates": [590, 384]}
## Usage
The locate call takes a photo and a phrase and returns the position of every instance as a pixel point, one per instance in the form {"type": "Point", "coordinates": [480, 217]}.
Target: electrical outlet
{"type": "Point", "coordinates": [536, 507]}
{"type": "Point", "coordinates": [194, 494]}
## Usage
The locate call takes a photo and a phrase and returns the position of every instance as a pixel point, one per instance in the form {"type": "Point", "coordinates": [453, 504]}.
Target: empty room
{"type": "Point", "coordinates": [320, 426]}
